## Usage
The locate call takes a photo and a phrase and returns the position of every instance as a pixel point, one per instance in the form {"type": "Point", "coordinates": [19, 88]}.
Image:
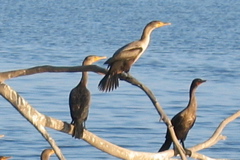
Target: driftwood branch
{"type": "Point", "coordinates": [217, 135]}
{"type": "Point", "coordinates": [159, 109]}
{"type": "Point", "coordinates": [201, 156]}
{"type": "Point", "coordinates": [40, 121]}
{"type": "Point", "coordinates": [47, 68]}
{"type": "Point", "coordinates": [43, 120]}
{"type": "Point", "coordinates": [28, 112]}
{"type": "Point", "coordinates": [41, 69]}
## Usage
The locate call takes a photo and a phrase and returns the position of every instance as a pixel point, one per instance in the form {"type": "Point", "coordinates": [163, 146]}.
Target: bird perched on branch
{"type": "Point", "coordinates": [46, 153]}
{"type": "Point", "coordinates": [184, 120]}
{"type": "Point", "coordinates": [126, 56]}
{"type": "Point", "coordinates": [79, 99]}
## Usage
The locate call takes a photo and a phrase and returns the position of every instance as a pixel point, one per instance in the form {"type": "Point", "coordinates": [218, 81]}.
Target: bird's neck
{"type": "Point", "coordinates": [192, 104]}
{"type": "Point", "coordinates": [146, 34]}
{"type": "Point", "coordinates": [84, 79]}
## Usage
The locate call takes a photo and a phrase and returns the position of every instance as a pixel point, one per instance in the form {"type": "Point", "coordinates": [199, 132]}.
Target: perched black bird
{"type": "Point", "coordinates": [79, 100]}
{"type": "Point", "coordinates": [126, 56]}
{"type": "Point", "coordinates": [184, 120]}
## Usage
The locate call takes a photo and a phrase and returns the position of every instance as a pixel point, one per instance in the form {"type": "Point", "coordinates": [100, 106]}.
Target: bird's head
{"type": "Point", "coordinates": [157, 24]}
{"type": "Point", "coordinates": [51, 152]}
{"type": "Point", "coordinates": [46, 153]}
{"type": "Point", "coordinates": [196, 82]}
{"type": "Point", "coordinates": [92, 58]}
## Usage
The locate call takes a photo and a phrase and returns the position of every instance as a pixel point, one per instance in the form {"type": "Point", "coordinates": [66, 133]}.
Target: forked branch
{"type": "Point", "coordinates": [41, 69]}
{"type": "Point", "coordinates": [39, 121]}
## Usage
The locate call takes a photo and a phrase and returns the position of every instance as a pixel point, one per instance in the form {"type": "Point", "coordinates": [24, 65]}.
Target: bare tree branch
{"type": "Point", "coordinates": [200, 156]}
{"type": "Point", "coordinates": [158, 107]}
{"type": "Point", "coordinates": [46, 68]}
{"type": "Point", "coordinates": [32, 115]}
{"type": "Point", "coordinates": [217, 134]}
{"type": "Point", "coordinates": [40, 121]}
{"type": "Point", "coordinates": [130, 79]}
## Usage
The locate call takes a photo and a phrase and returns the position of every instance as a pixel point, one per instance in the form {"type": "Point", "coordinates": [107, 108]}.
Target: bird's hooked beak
{"type": "Point", "coordinates": [166, 24]}
{"type": "Point", "coordinates": [163, 24]}
{"type": "Point", "coordinates": [97, 58]}
{"type": "Point", "coordinates": [202, 81]}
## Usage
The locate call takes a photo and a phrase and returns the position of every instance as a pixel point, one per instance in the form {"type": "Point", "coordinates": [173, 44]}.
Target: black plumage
{"type": "Point", "coordinates": [79, 100]}
{"type": "Point", "coordinates": [184, 120]}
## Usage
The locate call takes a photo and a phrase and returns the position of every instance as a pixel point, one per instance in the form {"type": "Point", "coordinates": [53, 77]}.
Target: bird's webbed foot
{"type": "Point", "coordinates": [124, 76]}
{"type": "Point", "coordinates": [188, 152]}
{"type": "Point", "coordinates": [127, 74]}
{"type": "Point", "coordinates": [185, 150]}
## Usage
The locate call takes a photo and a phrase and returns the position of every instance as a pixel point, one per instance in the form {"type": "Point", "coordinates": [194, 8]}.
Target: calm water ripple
{"type": "Point", "coordinates": [203, 41]}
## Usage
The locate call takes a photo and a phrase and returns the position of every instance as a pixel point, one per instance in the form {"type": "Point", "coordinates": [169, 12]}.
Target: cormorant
{"type": "Point", "coordinates": [46, 153]}
{"type": "Point", "coordinates": [184, 120]}
{"type": "Point", "coordinates": [79, 100]}
{"type": "Point", "coordinates": [126, 56]}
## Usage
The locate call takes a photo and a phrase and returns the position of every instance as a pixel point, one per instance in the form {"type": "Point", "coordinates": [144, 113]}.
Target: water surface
{"type": "Point", "coordinates": [203, 41]}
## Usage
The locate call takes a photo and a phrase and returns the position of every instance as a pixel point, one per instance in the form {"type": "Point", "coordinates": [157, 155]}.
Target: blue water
{"type": "Point", "coordinates": [203, 41]}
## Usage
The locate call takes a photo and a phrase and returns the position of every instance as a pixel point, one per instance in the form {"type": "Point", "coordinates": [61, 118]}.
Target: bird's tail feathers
{"type": "Point", "coordinates": [78, 129]}
{"type": "Point", "coordinates": [166, 145]}
{"type": "Point", "coordinates": [109, 83]}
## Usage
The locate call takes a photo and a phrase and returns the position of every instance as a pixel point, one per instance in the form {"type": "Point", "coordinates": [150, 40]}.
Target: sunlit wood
{"type": "Point", "coordinates": [28, 112]}
{"type": "Point", "coordinates": [47, 68]}
{"type": "Point", "coordinates": [40, 121]}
